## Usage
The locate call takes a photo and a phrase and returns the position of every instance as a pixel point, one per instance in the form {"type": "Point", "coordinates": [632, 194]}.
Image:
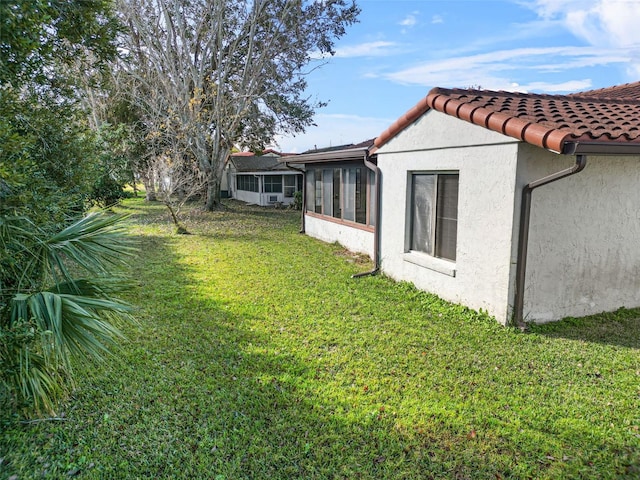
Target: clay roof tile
{"type": "Point", "coordinates": [548, 121]}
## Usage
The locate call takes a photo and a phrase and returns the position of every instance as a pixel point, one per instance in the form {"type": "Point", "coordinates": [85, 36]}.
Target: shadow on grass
{"type": "Point", "coordinates": [212, 389]}
{"type": "Point", "coordinates": [620, 328]}
{"type": "Point", "coordinates": [198, 393]}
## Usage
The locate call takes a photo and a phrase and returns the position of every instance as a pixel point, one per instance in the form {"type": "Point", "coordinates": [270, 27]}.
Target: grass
{"type": "Point", "coordinates": [258, 357]}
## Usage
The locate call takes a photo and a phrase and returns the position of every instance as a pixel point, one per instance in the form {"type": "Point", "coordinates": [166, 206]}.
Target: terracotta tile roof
{"type": "Point", "coordinates": [598, 119]}
{"type": "Point", "coordinates": [628, 91]}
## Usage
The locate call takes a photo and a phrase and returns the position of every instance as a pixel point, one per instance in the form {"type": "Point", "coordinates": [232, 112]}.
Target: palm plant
{"type": "Point", "coordinates": [57, 303]}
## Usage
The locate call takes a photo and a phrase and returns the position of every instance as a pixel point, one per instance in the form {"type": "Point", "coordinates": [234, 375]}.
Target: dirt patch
{"type": "Point", "coordinates": [357, 258]}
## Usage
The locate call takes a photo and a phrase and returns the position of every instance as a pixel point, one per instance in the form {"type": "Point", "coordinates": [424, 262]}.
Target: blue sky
{"type": "Point", "coordinates": [400, 49]}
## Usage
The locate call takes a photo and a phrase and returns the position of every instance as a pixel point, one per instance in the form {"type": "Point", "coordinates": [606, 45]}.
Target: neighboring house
{"type": "Point", "coordinates": [340, 195]}
{"type": "Point", "coordinates": [262, 179]}
{"type": "Point", "coordinates": [526, 206]}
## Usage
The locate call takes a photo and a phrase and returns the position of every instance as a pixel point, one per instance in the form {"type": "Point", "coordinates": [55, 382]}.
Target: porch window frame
{"type": "Point", "coordinates": [340, 174]}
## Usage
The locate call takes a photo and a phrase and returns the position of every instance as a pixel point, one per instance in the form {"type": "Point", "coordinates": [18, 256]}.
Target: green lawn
{"type": "Point", "coordinates": [257, 356]}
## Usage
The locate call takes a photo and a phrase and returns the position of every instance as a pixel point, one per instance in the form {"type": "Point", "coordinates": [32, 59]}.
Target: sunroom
{"type": "Point", "coordinates": [340, 196]}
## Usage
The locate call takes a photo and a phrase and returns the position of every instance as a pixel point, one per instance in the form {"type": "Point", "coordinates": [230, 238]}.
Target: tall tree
{"type": "Point", "coordinates": [231, 71]}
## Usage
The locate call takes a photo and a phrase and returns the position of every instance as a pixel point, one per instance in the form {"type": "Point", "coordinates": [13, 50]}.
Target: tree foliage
{"type": "Point", "coordinates": [38, 37]}
{"type": "Point", "coordinates": [57, 276]}
{"type": "Point", "coordinates": [228, 73]}
{"type": "Point", "coordinates": [48, 154]}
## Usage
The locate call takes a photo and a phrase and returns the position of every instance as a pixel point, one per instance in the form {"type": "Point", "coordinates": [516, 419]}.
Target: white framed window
{"type": "Point", "coordinates": [434, 214]}
{"type": "Point", "coordinates": [273, 183]}
{"type": "Point", "coordinates": [290, 185]}
{"type": "Point", "coordinates": [247, 183]}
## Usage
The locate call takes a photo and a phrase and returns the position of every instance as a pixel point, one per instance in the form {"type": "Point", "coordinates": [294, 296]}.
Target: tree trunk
{"type": "Point", "coordinates": [213, 194]}
{"type": "Point", "coordinates": [214, 179]}
{"type": "Point", "coordinates": [150, 190]}
{"type": "Point", "coordinates": [134, 184]}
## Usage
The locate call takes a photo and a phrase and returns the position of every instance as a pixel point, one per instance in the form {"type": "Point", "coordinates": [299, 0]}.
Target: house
{"type": "Point", "coordinates": [340, 195]}
{"type": "Point", "coordinates": [262, 179]}
{"type": "Point", "coordinates": [526, 206]}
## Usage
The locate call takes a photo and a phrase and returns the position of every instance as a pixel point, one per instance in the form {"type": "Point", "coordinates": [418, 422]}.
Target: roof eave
{"type": "Point", "coordinates": [601, 148]}
{"type": "Point", "coordinates": [335, 156]}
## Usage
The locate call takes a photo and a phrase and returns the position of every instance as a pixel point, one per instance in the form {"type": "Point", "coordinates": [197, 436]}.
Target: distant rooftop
{"type": "Point", "coordinates": [347, 146]}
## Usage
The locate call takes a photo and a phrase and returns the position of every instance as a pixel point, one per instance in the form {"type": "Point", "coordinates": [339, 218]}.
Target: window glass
{"type": "Point", "coordinates": [343, 193]}
{"type": "Point", "coordinates": [372, 198]}
{"type": "Point", "coordinates": [327, 191]}
{"type": "Point", "coordinates": [248, 183]}
{"type": "Point", "coordinates": [447, 216]}
{"type": "Point", "coordinates": [273, 183]}
{"type": "Point", "coordinates": [349, 189]}
{"type": "Point", "coordinates": [361, 196]}
{"type": "Point", "coordinates": [318, 188]}
{"type": "Point", "coordinates": [434, 214]}
{"type": "Point", "coordinates": [337, 189]}
{"type": "Point", "coordinates": [310, 191]}
{"type": "Point", "coordinates": [289, 185]}
{"type": "Point", "coordinates": [423, 196]}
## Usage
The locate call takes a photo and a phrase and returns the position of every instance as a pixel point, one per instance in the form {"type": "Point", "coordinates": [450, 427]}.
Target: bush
{"type": "Point", "coordinates": [107, 192]}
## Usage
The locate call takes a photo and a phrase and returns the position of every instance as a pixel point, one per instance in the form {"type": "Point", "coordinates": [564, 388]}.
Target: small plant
{"type": "Point", "coordinates": [107, 192]}
{"type": "Point", "coordinates": [297, 200]}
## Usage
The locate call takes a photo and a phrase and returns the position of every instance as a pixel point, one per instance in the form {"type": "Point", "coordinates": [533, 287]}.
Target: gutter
{"type": "Point", "coordinates": [523, 237]}
{"type": "Point", "coordinates": [331, 156]}
{"type": "Point", "coordinates": [376, 230]}
{"type": "Point", "coordinates": [304, 193]}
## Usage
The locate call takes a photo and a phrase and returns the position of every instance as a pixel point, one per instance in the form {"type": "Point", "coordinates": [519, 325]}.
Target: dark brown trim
{"type": "Point", "coordinates": [331, 156]}
{"type": "Point", "coordinates": [602, 148]}
{"type": "Point", "coordinates": [340, 221]}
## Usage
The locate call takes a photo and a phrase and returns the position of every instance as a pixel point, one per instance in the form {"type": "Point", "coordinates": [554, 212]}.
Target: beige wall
{"type": "Point", "coordinates": [481, 275]}
{"type": "Point", "coordinates": [584, 241]}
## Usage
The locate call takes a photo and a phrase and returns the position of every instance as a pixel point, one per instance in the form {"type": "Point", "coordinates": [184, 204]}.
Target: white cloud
{"type": "Point", "coordinates": [612, 23]}
{"type": "Point", "coordinates": [437, 19]}
{"type": "Point", "coordinates": [499, 70]}
{"type": "Point", "coordinates": [569, 86]}
{"type": "Point", "coordinates": [378, 48]}
{"type": "Point", "coordinates": [332, 130]}
{"type": "Point", "coordinates": [409, 21]}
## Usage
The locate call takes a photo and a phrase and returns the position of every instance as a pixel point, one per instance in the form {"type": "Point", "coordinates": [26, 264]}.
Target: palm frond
{"type": "Point", "coordinates": [96, 243]}
{"type": "Point", "coordinates": [71, 316]}
{"type": "Point", "coordinates": [72, 325]}
{"type": "Point", "coordinates": [39, 384]}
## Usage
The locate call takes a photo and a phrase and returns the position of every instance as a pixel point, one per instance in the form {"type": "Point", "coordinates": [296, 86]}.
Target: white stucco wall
{"type": "Point", "coordinates": [584, 241]}
{"type": "Point", "coordinates": [352, 238]}
{"type": "Point", "coordinates": [245, 196]}
{"type": "Point", "coordinates": [487, 164]}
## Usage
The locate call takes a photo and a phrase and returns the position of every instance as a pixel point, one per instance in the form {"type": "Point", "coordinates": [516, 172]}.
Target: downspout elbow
{"type": "Point", "coordinates": [523, 237]}
{"type": "Point", "coordinates": [376, 228]}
